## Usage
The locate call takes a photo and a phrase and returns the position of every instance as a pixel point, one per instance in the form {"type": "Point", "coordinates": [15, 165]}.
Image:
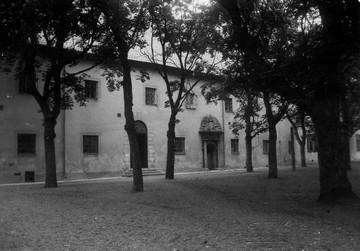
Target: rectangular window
{"type": "Point", "coordinates": [150, 96]}
{"type": "Point", "coordinates": [357, 142]}
{"type": "Point", "coordinates": [23, 84]}
{"type": "Point", "coordinates": [190, 102]}
{"type": "Point", "coordinates": [179, 145]}
{"type": "Point", "coordinates": [265, 146]}
{"type": "Point", "coordinates": [234, 145]}
{"type": "Point", "coordinates": [26, 143]}
{"type": "Point", "coordinates": [311, 143]}
{"type": "Point", "coordinates": [91, 91]}
{"type": "Point", "coordinates": [91, 144]}
{"type": "Point", "coordinates": [228, 105]}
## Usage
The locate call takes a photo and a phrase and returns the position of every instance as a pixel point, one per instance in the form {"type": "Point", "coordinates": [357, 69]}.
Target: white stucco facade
{"type": "Point", "coordinates": [104, 117]}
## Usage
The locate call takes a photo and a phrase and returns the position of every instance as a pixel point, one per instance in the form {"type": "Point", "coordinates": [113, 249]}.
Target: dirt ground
{"type": "Point", "coordinates": [229, 210]}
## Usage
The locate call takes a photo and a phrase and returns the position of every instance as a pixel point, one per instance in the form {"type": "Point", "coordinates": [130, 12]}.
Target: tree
{"type": "Point", "coordinates": [321, 52]}
{"type": "Point", "coordinates": [43, 37]}
{"type": "Point", "coordinates": [126, 23]}
{"type": "Point", "coordinates": [247, 117]}
{"type": "Point", "coordinates": [309, 73]}
{"type": "Point", "coordinates": [181, 30]}
{"type": "Point", "coordinates": [297, 117]}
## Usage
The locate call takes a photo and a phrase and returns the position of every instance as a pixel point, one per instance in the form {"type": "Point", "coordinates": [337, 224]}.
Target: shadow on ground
{"type": "Point", "coordinates": [208, 211]}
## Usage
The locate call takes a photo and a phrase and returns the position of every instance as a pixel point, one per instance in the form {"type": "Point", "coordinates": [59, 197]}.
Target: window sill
{"type": "Point", "coordinates": [26, 155]}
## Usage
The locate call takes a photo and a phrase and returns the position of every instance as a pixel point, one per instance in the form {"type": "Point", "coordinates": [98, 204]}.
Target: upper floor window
{"type": "Point", "coordinates": [265, 146]}
{"type": "Point", "coordinates": [91, 89]}
{"type": "Point", "coordinates": [228, 105]}
{"type": "Point", "coordinates": [234, 145]}
{"type": "Point", "coordinates": [91, 144]}
{"type": "Point", "coordinates": [190, 102]}
{"type": "Point", "coordinates": [26, 143]}
{"type": "Point", "coordinates": [179, 145]}
{"type": "Point", "coordinates": [311, 143]}
{"type": "Point", "coordinates": [24, 84]}
{"type": "Point", "coordinates": [150, 96]}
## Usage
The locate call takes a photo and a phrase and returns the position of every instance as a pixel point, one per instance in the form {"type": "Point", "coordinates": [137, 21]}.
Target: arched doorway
{"type": "Point", "coordinates": [212, 155]}
{"type": "Point", "coordinates": [210, 131]}
{"type": "Point", "coordinates": [142, 138]}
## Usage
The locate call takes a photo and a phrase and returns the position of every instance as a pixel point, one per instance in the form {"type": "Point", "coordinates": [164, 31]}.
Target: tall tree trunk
{"type": "Point", "coordinates": [170, 160]}
{"type": "Point", "coordinates": [272, 160]}
{"type": "Point", "coordinates": [302, 153]}
{"type": "Point", "coordinates": [50, 157]}
{"type": "Point", "coordinates": [293, 160]}
{"type": "Point", "coordinates": [334, 182]}
{"type": "Point", "coordinates": [138, 184]}
{"type": "Point", "coordinates": [248, 143]}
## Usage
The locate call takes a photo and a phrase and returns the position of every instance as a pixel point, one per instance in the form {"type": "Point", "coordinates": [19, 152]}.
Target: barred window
{"type": "Point", "coordinates": [228, 105]}
{"type": "Point", "coordinates": [26, 143]}
{"type": "Point", "coordinates": [91, 144]}
{"type": "Point", "coordinates": [190, 102]}
{"type": "Point", "coordinates": [265, 146]}
{"type": "Point", "coordinates": [91, 91]}
{"type": "Point", "coordinates": [150, 96]}
{"type": "Point", "coordinates": [179, 145]}
{"type": "Point", "coordinates": [234, 145]}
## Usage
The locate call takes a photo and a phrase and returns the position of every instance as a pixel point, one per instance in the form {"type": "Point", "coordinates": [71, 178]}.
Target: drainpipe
{"type": "Point", "coordinates": [64, 146]}
{"type": "Point", "coordinates": [223, 124]}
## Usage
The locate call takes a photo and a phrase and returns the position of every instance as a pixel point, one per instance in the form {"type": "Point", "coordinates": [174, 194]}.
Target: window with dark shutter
{"type": "Point", "coordinates": [179, 145]}
{"type": "Point", "coordinates": [150, 96]}
{"type": "Point", "coordinates": [24, 84]}
{"type": "Point", "coordinates": [234, 146]}
{"type": "Point", "coordinates": [228, 105]}
{"type": "Point", "coordinates": [91, 89]}
{"type": "Point", "coordinates": [91, 144]}
{"type": "Point", "coordinates": [26, 143]}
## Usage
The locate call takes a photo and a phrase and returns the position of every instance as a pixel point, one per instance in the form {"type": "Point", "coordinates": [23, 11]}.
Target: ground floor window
{"type": "Point", "coordinates": [90, 144]}
{"type": "Point", "coordinates": [265, 146]}
{"type": "Point", "coordinates": [234, 145]}
{"type": "Point", "coordinates": [26, 143]}
{"type": "Point", "coordinates": [179, 145]}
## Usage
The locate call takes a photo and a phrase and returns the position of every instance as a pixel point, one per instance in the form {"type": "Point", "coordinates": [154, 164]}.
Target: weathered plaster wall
{"type": "Point", "coordinates": [20, 113]}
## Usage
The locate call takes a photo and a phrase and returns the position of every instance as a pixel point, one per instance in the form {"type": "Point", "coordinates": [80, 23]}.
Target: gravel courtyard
{"type": "Point", "coordinates": [228, 210]}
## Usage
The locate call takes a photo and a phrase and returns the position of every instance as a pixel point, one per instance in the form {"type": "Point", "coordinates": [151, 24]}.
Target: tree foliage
{"type": "Point", "coordinates": [42, 39]}
{"type": "Point", "coordinates": [179, 44]}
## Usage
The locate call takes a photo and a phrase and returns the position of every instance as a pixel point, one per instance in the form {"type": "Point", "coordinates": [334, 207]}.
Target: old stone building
{"type": "Point", "coordinates": [91, 140]}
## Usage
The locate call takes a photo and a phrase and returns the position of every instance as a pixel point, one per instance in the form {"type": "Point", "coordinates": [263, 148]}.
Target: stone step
{"type": "Point", "coordinates": [145, 172]}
